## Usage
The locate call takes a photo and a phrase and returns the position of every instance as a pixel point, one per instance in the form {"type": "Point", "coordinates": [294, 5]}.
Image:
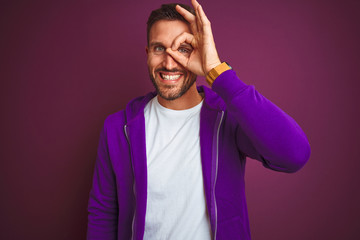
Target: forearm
{"type": "Point", "coordinates": [277, 139]}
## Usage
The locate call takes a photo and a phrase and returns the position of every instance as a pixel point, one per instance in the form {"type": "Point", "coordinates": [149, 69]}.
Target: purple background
{"type": "Point", "coordinates": [66, 65]}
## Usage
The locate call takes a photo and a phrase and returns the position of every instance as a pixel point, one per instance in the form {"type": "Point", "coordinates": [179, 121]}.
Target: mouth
{"type": "Point", "coordinates": [170, 76]}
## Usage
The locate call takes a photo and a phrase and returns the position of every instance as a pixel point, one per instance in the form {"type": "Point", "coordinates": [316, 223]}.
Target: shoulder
{"type": "Point", "coordinates": [115, 119]}
{"type": "Point", "coordinates": [114, 123]}
{"type": "Point", "coordinates": [133, 109]}
{"type": "Point", "coordinates": [212, 99]}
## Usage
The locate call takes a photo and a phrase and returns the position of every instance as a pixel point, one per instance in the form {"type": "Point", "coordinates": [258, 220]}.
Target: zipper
{"type": "Point", "coordinates": [216, 168]}
{"type": "Point", "coordinates": [134, 186]}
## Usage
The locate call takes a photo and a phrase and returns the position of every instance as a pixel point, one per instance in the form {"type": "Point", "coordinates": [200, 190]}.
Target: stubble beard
{"type": "Point", "coordinates": [166, 91]}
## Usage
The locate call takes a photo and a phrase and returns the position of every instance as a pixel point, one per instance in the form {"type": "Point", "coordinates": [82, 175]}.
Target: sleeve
{"type": "Point", "coordinates": [265, 132]}
{"type": "Point", "coordinates": [102, 206]}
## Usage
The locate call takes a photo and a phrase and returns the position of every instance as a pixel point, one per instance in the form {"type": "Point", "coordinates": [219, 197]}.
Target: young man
{"type": "Point", "coordinates": [171, 165]}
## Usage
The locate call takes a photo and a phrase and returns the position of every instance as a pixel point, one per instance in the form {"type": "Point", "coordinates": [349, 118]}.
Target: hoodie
{"type": "Point", "coordinates": [236, 123]}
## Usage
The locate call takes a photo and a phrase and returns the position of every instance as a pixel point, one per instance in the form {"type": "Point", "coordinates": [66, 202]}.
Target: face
{"type": "Point", "coordinates": [169, 77]}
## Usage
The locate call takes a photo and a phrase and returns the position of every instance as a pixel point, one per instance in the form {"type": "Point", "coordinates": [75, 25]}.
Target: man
{"type": "Point", "coordinates": [171, 165]}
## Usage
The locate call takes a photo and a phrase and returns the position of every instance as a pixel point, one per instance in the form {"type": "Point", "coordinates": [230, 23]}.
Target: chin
{"type": "Point", "coordinates": [172, 92]}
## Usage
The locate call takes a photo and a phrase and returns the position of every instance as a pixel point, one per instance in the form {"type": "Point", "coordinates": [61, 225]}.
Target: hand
{"type": "Point", "coordinates": [204, 56]}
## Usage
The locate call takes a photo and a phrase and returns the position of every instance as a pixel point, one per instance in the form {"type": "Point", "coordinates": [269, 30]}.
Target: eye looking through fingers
{"type": "Point", "coordinates": [185, 49]}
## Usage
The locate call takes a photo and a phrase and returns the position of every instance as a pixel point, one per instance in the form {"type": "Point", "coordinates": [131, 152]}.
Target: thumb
{"type": "Point", "coordinates": [180, 58]}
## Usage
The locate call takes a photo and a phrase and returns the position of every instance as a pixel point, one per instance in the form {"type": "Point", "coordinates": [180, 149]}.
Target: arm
{"type": "Point", "coordinates": [265, 132]}
{"type": "Point", "coordinates": [102, 207]}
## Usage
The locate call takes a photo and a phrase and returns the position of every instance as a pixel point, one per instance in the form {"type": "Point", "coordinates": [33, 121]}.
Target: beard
{"type": "Point", "coordinates": [170, 92]}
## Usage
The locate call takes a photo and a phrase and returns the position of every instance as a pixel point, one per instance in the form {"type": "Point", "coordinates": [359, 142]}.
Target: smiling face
{"type": "Point", "coordinates": [169, 77]}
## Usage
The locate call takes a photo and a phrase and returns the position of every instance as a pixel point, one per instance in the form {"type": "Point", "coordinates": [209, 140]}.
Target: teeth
{"type": "Point", "coordinates": [170, 77]}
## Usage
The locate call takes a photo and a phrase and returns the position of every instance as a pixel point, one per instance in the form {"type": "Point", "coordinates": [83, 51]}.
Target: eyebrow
{"type": "Point", "coordinates": [155, 44]}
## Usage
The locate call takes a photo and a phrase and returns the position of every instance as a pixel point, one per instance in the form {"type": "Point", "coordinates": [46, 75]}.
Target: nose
{"type": "Point", "coordinates": [169, 62]}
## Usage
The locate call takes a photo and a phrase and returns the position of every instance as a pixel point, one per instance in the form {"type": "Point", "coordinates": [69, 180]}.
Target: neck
{"type": "Point", "coordinates": [190, 99]}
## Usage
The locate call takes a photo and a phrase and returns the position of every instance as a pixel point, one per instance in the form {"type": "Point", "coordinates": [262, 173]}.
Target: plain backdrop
{"type": "Point", "coordinates": [66, 65]}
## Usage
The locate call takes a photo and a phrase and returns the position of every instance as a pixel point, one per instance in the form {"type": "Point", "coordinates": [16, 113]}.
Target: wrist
{"type": "Point", "coordinates": [212, 66]}
{"type": "Point", "coordinates": [216, 71]}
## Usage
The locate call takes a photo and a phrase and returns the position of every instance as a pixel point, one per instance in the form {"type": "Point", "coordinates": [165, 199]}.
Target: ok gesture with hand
{"type": "Point", "coordinates": [204, 56]}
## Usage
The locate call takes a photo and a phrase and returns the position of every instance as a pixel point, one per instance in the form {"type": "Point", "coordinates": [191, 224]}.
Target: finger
{"type": "Point", "coordinates": [202, 16]}
{"type": "Point", "coordinates": [178, 57]}
{"type": "Point", "coordinates": [188, 17]}
{"type": "Point", "coordinates": [183, 38]}
{"type": "Point", "coordinates": [198, 20]}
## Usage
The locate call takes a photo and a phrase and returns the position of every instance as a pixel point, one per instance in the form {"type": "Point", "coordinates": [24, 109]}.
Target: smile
{"type": "Point", "coordinates": [170, 77]}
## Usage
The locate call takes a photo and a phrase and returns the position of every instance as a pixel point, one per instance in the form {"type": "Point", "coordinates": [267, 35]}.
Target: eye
{"type": "Point", "coordinates": [185, 51]}
{"type": "Point", "coordinates": [159, 49]}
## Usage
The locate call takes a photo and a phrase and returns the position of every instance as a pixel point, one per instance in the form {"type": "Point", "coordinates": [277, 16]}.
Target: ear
{"type": "Point", "coordinates": [147, 50]}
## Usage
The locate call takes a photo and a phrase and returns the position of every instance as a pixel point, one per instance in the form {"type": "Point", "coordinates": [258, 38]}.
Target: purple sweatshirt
{"type": "Point", "coordinates": [235, 122]}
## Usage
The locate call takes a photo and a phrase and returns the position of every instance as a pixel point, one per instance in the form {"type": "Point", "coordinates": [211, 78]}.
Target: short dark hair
{"type": "Point", "coordinates": [167, 12]}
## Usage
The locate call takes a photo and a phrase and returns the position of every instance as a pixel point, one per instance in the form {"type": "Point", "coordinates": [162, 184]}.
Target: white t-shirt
{"type": "Point", "coordinates": [176, 207]}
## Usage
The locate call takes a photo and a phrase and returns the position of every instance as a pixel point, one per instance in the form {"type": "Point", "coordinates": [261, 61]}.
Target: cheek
{"type": "Point", "coordinates": [153, 62]}
{"type": "Point", "coordinates": [148, 62]}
